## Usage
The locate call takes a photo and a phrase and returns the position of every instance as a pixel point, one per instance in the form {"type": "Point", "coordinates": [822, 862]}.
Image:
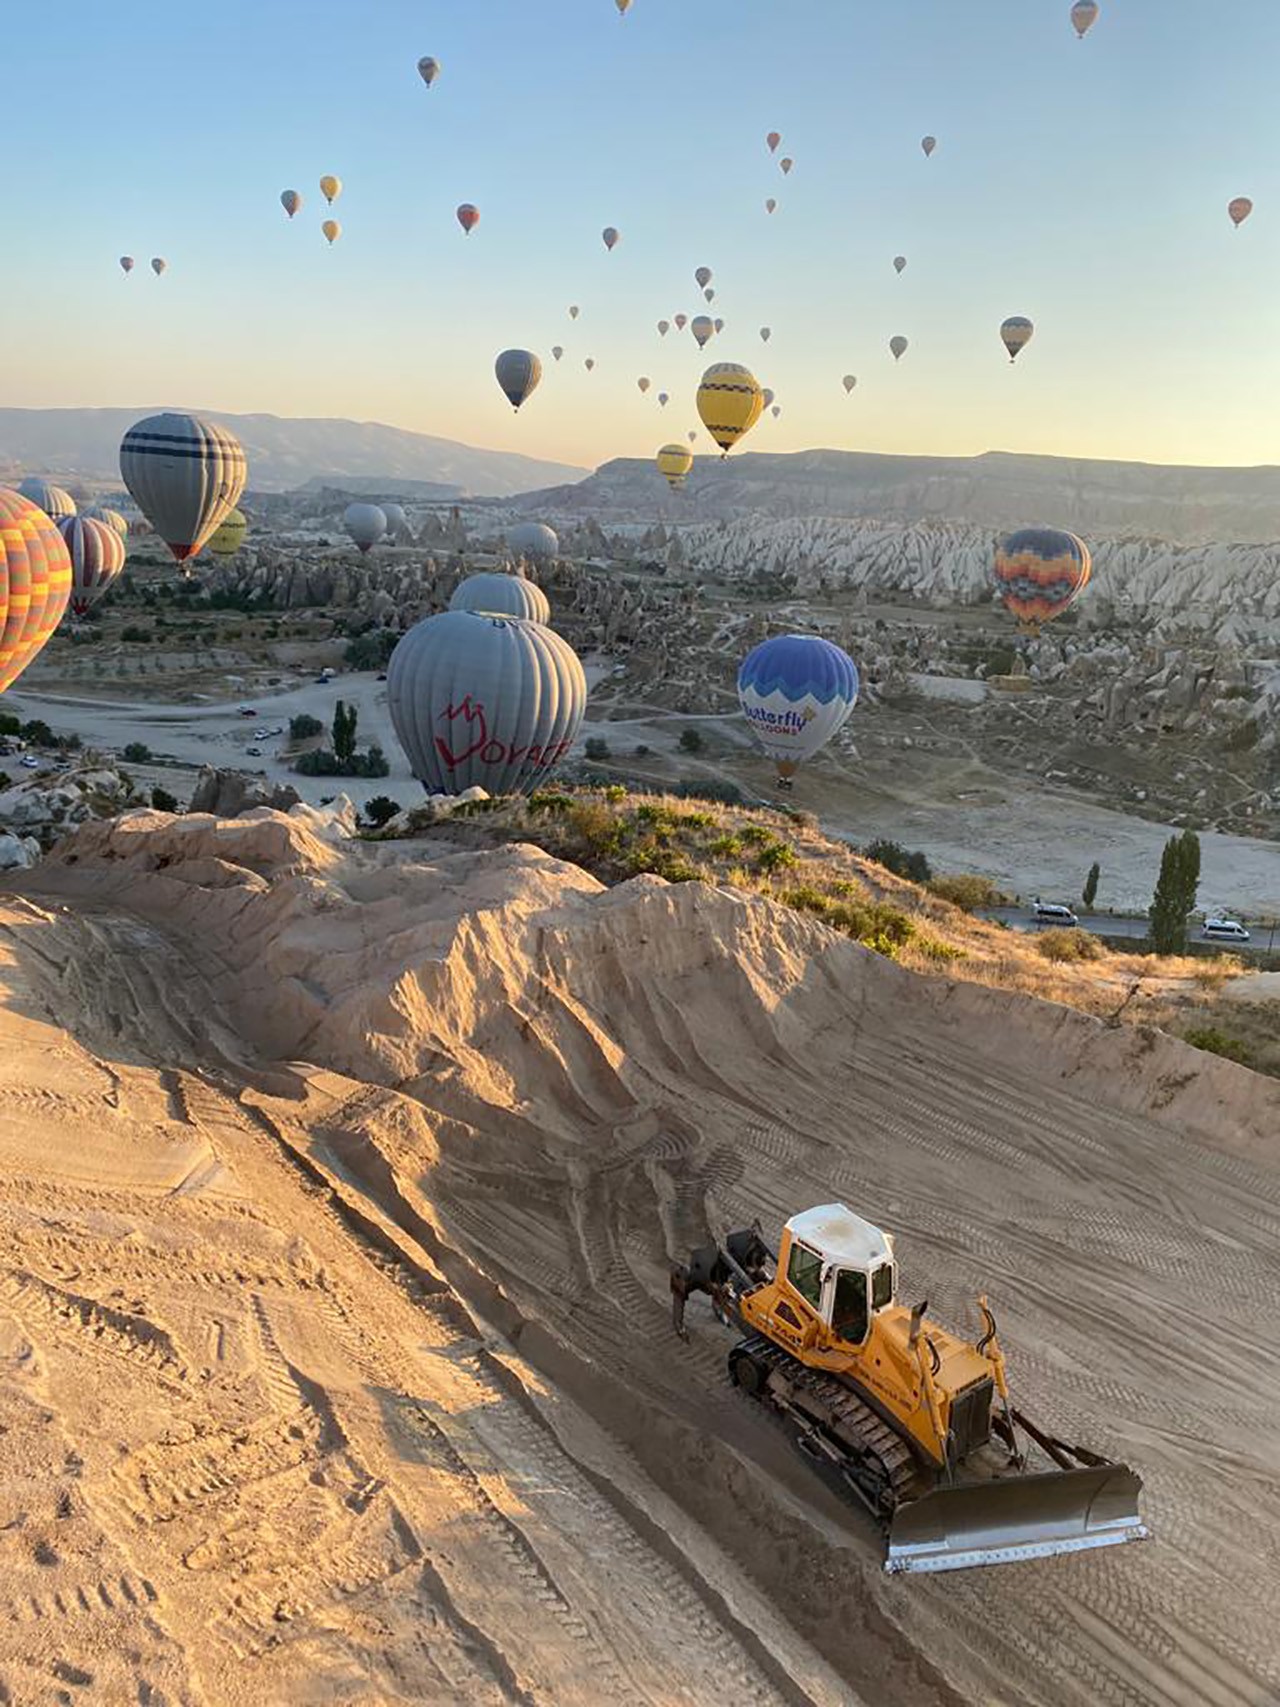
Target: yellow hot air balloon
{"type": "Point", "coordinates": [675, 462]}
{"type": "Point", "coordinates": [332, 230]}
{"type": "Point", "coordinates": [730, 402]}
{"type": "Point", "coordinates": [229, 536]}
{"type": "Point", "coordinates": [624, 6]}
{"type": "Point", "coordinates": [330, 188]}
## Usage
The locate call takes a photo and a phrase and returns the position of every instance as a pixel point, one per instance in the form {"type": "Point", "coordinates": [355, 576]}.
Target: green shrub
{"type": "Point", "coordinates": [897, 859]}
{"type": "Point", "coordinates": [38, 732]}
{"type": "Point", "coordinates": [9, 724]}
{"type": "Point", "coordinates": [777, 856]}
{"type": "Point", "coordinates": [942, 952]}
{"type": "Point", "coordinates": [965, 891]}
{"type": "Point", "coordinates": [137, 753]}
{"type": "Point", "coordinates": [642, 752]}
{"type": "Point", "coordinates": [1069, 944]}
{"type": "Point", "coordinates": [163, 801]}
{"type": "Point", "coordinates": [757, 835]}
{"type": "Point", "coordinates": [304, 727]}
{"type": "Point", "coordinates": [726, 847]}
{"type": "Point", "coordinates": [596, 749]}
{"type": "Point", "coordinates": [1219, 1043]}
{"type": "Point", "coordinates": [381, 810]}
{"type": "Point", "coordinates": [615, 791]}
{"type": "Point", "coordinates": [806, 899]}
{"type": "Point", "coordinates": [690, 740]}
{"type": "Point", "coordinates": [596, 827]}
{"type": "Point", "coordinates": [721, 793]}
{"type": "Point", "coordinates": [549, 800]}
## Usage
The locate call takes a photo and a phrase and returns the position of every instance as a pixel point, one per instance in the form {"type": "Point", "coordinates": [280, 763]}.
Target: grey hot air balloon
{"type": "Point", "coordinates": [186, 476]}
{"type": "Point", "coordinates": [290, 201]}
{"type": "Point", "coordinates": [899, 347]}
{"type": "Point", "coordinates": [159, 265]}
{"type": "Point", "coordinates": [126, 263]}
{"type": "Point", "coordinates": [928, 143]}
{"type": "Point", "coordinates": [502, 595]}
{"type": "Point", "coordinates": [428, 69]}
{"type": "Point", "coordinates": [397, 521]}
{"type": "Point", "coordinates": [56, 503]}
{"type": "Point", "coordinates": [487, 701]}
{"type": "Point", "coordinates": [849, 382]}
{"type": "Point", "coordinates": [1015, 334]}
{"type": "Point", "coordinates": [703, 328]}
{"type": "Point", "coordinates": [518, 374]}
{"type": "Point", "coordinates": [365, 524]}
{"type": "Point", "coordinates": [899, 263]}
{"type": "Point", "coordinates": [557, 350]}
{"type": "Point", "coordinates": [765, 334]}
{"type": "Point", "coordinates": [534, 540]}
{"type": "Point", "coordinates": [704, 276]}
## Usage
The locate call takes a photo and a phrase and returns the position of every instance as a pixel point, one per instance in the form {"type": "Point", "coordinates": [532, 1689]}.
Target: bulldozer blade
{"type": "Point", "coordinates": [1023, 1517]}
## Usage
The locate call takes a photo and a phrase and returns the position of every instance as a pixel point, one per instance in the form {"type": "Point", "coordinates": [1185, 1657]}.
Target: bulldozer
{"type": "Point", "coordinates": [913, 1420]}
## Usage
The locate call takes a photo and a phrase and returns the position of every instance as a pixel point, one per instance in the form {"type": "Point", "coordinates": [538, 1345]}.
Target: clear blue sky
{"type": "Point", "coordinates": [1083, 184]}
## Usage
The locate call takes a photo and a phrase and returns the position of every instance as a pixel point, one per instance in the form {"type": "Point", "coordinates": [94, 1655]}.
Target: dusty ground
{"type": "Point", "coordinates": [263, 1442]}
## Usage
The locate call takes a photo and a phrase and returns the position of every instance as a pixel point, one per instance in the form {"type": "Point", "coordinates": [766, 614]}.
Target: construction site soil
{"type": "Point", "coordinates": [339, 1188]}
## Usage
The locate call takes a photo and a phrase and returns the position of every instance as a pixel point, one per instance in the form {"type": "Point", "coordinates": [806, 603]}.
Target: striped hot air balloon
{"type": "Point", "coordinates": [1015, 334]}
{"type": "Point", "coordinates": [730, 403]}
{"type": "Point", "coordinates": [35, 582]}
{"type": "Point", "coordinates": [796, 691]}
{"type": "Point", "coordinates": [97, 556]}
{"type": "Point", "coordinates": [113, 518]}
{"type": "Point", "coordinates": [502, 595]}
{"type": "Point", "coordinates": [186, 475]}
{"type": "Point", "coordinates": [484, 700]}
{"type": "Point", "coordinates": [1040, 572]}
{"type": "Point", "coordinates": [53, 500]}
{"type": "Point", "coordinates": [229, 536]}
{"type": "Point", "coordinates": [674, 462]}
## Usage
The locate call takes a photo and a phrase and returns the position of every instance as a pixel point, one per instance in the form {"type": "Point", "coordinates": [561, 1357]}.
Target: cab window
{"type": "Point", "coordinates": [849, 1313]}
{"type": "Point", "coordinates": [882, 1286]}
{"type": "Point", "coordinates": [804, 1271]}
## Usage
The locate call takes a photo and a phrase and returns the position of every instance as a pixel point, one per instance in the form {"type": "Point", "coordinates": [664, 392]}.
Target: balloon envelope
{"type": "Point", "coordinates": [928, 143]}
{"type": "Point", "coordinates": [227, 538]}
{"type": "Point", "coordinates": [290, 201]}
{"type": "Point", "coordinates": [365, 524]}
{"type": "Point", "coordinates": [796, 691]}
{"type": "Point", "coordinates": [848, 382]}
{"type": "Point", "coordinates": [1040, 572]}
{"type": "Point", "coordinates": [397, 521]}
{"type": "Point", "coordinates": [703, 329]}
{"type": "Point", "coordinates": [330, 188]}
{"type": "Point", "coordinates": [159, 265]}
{"type": "Point", "coordinates": [664, 326]}
{"type": "Point", "coordinates": [126, 263]}
{"type": "Point", "coordinates": [113, 518]}
{"type": "Point", "coordinates": [1239, 210]}
{"type": "Point", "coordinates": [53, 500]}
{"type": "Point", "coordinates": [332, 230]}
{"type": "Point", "coordinates": [1084, 15]}
{"type": "Point", "coordinates": [786, 166]}
{"type": "Point", "coordinates": [899, 263]}
{"type": "Point", "coordinates": [770, 205]}
{"type": "Point", "coordinates": [1015, 334]}
{"type": "Point", "coordinates": [899, 347]}
{"type": "Point", "coordinates": [557, 350]}
{"type": "Point", "coordinates": [468, 217]}
{"type": "Point", "coordinates": [534, 540]}
{"type": "Point", "coordinates": [518, 373]}
{"type": "Point", "coordinates": [502, 595]}
{"type": "Point", "coordinates": [35, 582]}
{"type": "Point", "coordinates": [675, 461]}
{"type": "Point", "coordinates": [610, 236]}
{"type": "Point", "coordinates": [185, 475]}
{"type": "Point", "coordinates": [486, 701]}
{"type": "Point", "coordinates": [772, 140]}
{"type": "Point", "coordinates": [428, 69]}
{"type": "Point", "coordinates": [730, 402]}
{"type": "Point", "coordinates": [704, 276]}
{"type": "Point", "coordinates": [97, 556]}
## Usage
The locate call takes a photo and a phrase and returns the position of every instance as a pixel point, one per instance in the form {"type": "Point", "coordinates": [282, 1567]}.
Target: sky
{"type": "Point", "coordinates": [1083, 184]}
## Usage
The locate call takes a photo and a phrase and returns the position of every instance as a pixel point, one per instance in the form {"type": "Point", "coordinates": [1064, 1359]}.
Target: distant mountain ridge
{"type": "Point", "coordinates": [284, 452]}
{"type": "Point", "coordinates": [999, 489]}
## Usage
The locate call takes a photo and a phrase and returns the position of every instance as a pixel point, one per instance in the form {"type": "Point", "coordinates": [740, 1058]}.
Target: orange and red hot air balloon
{"type": "Point", "coordinates": [35, 582]}
{"type": "Point", "coordinates": [1039, 573]}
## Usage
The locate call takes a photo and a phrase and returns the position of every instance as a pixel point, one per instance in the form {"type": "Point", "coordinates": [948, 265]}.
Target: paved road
{"type": "Point", "coordinates": [1134, 926]}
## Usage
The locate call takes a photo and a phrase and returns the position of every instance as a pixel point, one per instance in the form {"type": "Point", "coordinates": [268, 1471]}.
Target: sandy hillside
{"type": "Point", "coordinates": [339, 1184]}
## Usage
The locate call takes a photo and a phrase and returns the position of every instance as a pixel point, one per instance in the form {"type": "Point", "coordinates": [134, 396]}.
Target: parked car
{"type": "Point", "coordinates": [1215, 930]}
{"type": "Point", "coordinates": [248, 711]}
{"type": "Point", "coordinates": [30, 762]}
{"type": "Point", "coordinates": [253, 752]}
{"type": "Point", "coordinates": [1052, 913]}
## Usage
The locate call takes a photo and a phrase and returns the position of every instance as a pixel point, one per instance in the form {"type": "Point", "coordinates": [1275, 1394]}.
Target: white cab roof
{"type": "Point", "coordinates": [841, 1236]}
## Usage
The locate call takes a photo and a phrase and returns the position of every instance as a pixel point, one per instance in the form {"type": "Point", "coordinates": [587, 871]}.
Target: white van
{"type": "Point", "coordinates": [1224, 930]}
{"type": "Point", "coordinates": [1050, 913]}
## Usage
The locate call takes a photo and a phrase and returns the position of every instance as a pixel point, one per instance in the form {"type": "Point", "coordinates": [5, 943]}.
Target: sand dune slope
{"type": "Point", "coordinates": [291, 1128]}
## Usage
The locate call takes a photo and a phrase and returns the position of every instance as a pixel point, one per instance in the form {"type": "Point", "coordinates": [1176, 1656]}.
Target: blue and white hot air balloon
{"type": "Point", "coordinates": [488, 701]}
{"type": "Point", "coordinates": [796, 691]}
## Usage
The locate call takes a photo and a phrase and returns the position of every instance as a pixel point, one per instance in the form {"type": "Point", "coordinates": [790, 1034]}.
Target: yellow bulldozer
{"type": "Point", "coordinates": [913, 1420]}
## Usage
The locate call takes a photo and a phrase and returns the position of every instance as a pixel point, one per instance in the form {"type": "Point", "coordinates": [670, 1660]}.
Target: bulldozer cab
{"type": "Point", "coordinates": [841, 1267]}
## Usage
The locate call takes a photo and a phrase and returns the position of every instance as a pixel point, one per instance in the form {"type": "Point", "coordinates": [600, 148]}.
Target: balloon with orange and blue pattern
{"type": "Point", "coordinates": [1040, 572]}
{"type": "Point", "coordinates": [35, 582]}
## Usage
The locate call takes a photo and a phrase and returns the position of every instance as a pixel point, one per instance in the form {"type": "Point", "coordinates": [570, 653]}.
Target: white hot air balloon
{"type": "Point", "coordinates": [534, 540]}
{"type": "Point", "coordinates": [502, 595]}
{"type": "Point", "coordinates": [186, 475]}
{"type": "Point", "coordinates": [365, 525]}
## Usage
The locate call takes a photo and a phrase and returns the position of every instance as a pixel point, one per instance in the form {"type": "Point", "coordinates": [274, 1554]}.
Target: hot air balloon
{"type": "Point", "coordinates": [159, 265]}
{"type": "Point", "coordinates": [534, 540]}
{"type": "Point", "coordinates": [681, 320]}
{"type": "Point", "coordinates": [557, 350]}
{"type": "Point", "coordinates": [776, 410]}
{"type": "Point", "coordinates": [704, 276]}
{"type": "Point", "coordinates": [703, 329]}
{"type": "Point", "coordinates": [786, 166]}
{"type": "Point", "coordinates": [730, 403]}
{"type": "Point", "coordinates": [928, 143]}
{"type": "Point", "coordinates": [693, 438]}
{"type": "Point", "coordinates": [899, 347]}
{"type": "Point", "coordinates": [126, 263]}
{"type": "Point", "coordinates": [675, 462]}
{"type": "Point", "coordinates": [643, 384]}
{"type": "Point", "coordinates": [664, 326]}
{"type": "Point", "coordinates": [610, 237]}
{"type": "Point", "coordinates": [290, 201]}
{"type": "Point", "coordinates": [574, 311]}
{"type": "Point", "coordinates": [1239, 210]}
{"type": "Point", "coordinates": [397, 521]}
{"type": "Point", "coordinates": [899, 263]}
{"type": "Point", "coordinates": [848, 382]}
{"type": "Point", "coordinates": [365, 525]}
{"type": "Point", "coordinates": [186, 476]}
{"type": "Point", "coordinates": [772, 140]}
{"type": "Point", "coordinates": [229, 536]}
{"type": "Point", "coordinates": [796, 692]}
{"type": "Point", "coordinates": [770, 205]}
{"type": "Point", "coordinates": [487, 701]}
{"type": "Point", "coordinates": [518, 373]}
{"type": "Point", "coordinates": [330, 188]}
{"type": "Point", "coordinates": [663, 400]}
{"type": "Point", "coordinates": [428, 69]}
{"type": "Point", "coordinates": [768, 396]}
{"type": "Point", "coordinates": [35, 582]}
{"type": "Point", "coordinates": [97, 556]}
{"type": "Point", "coordinates": [766, 332]}
{"type": "Point", "coordinates": [502, 595]}
{"type": "Point", "coordinates": [1015, 334]}
{"type": "Point", "coordinates": [719, 326]}
{"type": "Point", "coordinates": [590, 363]}
{"type": "Point", "coordinates": [332, 230]}
{"type": "Point", "coordinates": [1084, 15]}
{"type": "Point", "coordinates": [1039, 572]}
{"type": "Point", "coordinates": [710, 293]}
{"type": "Point", "coordinates": [56, 502]}
{"type": "Point", "coordinates": [468, 217]}
{"type": "Point", "coordinates": [624, 6]}
{"type": "Point", "coordinates": [113, 518]}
